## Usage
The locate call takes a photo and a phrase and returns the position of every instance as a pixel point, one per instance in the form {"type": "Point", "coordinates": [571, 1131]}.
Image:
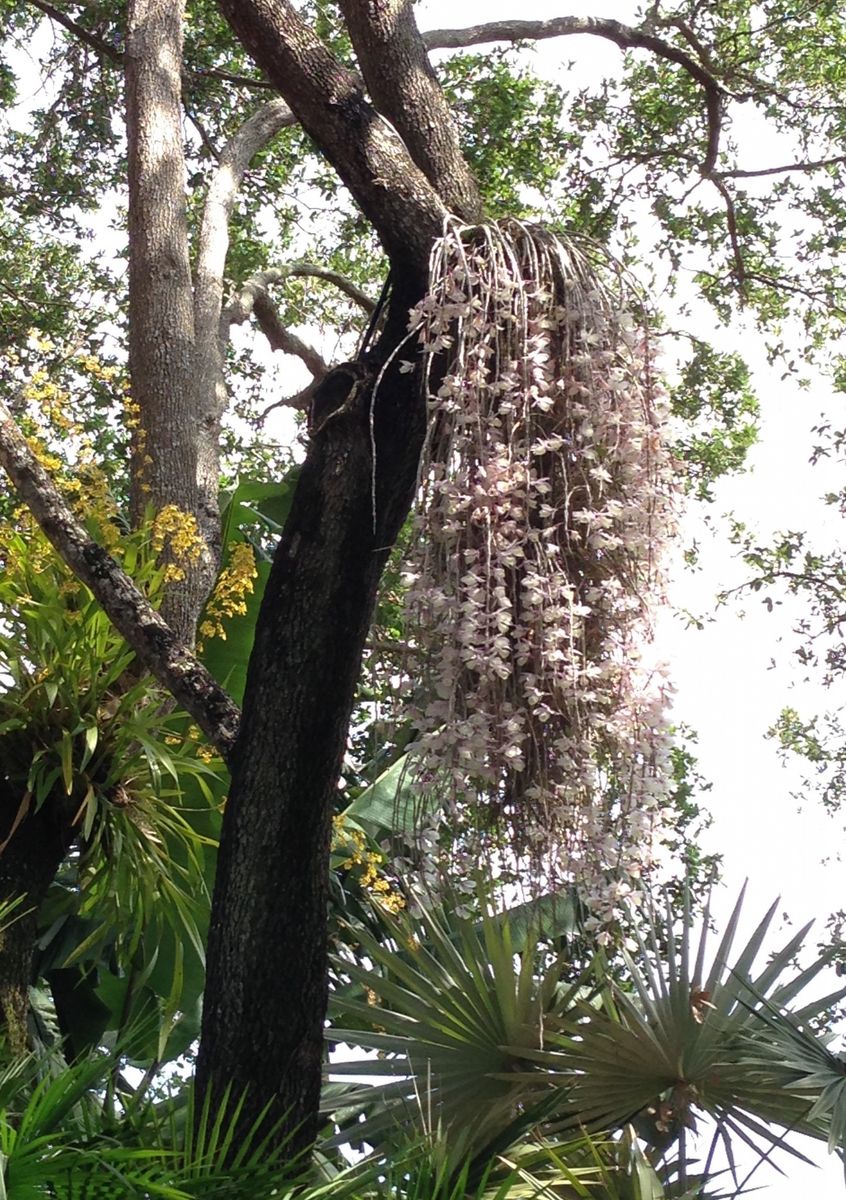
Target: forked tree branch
{"type": "Point", "coordinates": [254, 298]}
{"type": "Point", "coordinates": [363, 147]}
{"type": "Point", "coordinates": [396, 68]}
{"type": "Point", "coordinates": [155, 643]}
{"type": "Point", "coordinates": [279, 337]}
{"type": "Point", "coordinates": [241, 307]}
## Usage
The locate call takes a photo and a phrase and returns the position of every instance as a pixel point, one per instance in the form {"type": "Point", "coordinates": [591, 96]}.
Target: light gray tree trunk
{"type": "Point", "coordinates": [162, 358]}
{"type": "Point", "coordinates": [212, 335]}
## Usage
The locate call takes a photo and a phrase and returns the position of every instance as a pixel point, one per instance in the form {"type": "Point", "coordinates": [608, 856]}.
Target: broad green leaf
{"type": "Point", "coordinates": [228, 660]}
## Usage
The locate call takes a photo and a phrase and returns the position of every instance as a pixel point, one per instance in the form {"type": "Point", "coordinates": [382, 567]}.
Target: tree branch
{"type": "Point", "coordinates": [281, 338]}
{"type": "Point", "coordinates": [211, 333]}
{"type": "Point", "coordinates": [690, 37]}
{"type": "Point", "coordinates": [254, 298]}
{"type": "Point", "coordinates": [205, 140]}
{"type": "Point", "coordinates": [260, 85]}
{"type": "Point", "coordinates": [155, 643]}
{"type": "Point", "coordinates": [805, 167]}
{"type": "Point", "coordinates": [624, 36]}
{"type": "Point", "coordinates": [734, 237]}
{"type": "Point", "coordinates": [404, 88]}
{"type": "Point", "coordinates": [235, 158]}
{"type": "Point", "coordinates": [79, 31]}
{"type": "Point", "coordinates": [365, 150]}
{"type": "Point", "coordinates": [241, 307]}
{"type": "Point", "coordinates": [307, 270]}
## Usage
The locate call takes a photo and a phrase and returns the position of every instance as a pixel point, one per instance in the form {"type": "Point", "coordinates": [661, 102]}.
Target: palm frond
{"type": "Point", "coordinates": [456, 1007]}
{"type": "Point", "coordinates": [470, 1035]}
{"type": "Point", "coordinates": [683, 1039]}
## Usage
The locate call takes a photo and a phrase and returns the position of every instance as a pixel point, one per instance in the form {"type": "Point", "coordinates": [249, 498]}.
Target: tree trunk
{"type": "Point", "coordinates": [28, 864]}
{"type": "Point", "coordinates": [266, 991]}
{"type": "Point", "coordinates": [162, 360]}
{"type": "Point", "coordinates": [266, 986]}
{"type": "Point", "coordinates": [402, 83]}
{"type": "Point", "coordinates": [328, 101]}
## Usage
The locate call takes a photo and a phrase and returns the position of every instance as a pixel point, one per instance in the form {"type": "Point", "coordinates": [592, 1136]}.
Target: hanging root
{"type": "Point", "coordinates": [546, 495]}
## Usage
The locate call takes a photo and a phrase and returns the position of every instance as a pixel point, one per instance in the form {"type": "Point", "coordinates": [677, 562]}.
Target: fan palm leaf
{"type": "Point", "coordinates": [476, 1035]}
{"type": "Point", "coordinates": [683, 1039]}
{"type": "Point", "coordinates": [452, 1008]}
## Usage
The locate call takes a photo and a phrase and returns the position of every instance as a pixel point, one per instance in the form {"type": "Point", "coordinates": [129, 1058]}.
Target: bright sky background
{"type": "Point", "coordinates": [726, 689]}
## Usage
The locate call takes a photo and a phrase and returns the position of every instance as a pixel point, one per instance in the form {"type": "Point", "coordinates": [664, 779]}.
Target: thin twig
{"type": "Point", "coordinates": [114, 55]}
{"type": "Point", "coordinates": [248, 81]}
{"type": "Point", "coordinates": [300, 400]}
{"type": "Point", "coordinates": [204, 136]}
{"type": "Point", "coordinates": [734, 238]}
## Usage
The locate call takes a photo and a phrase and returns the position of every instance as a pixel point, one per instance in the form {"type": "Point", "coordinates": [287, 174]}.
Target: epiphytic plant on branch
{"type": "Point", "coordinates": [547, 493]}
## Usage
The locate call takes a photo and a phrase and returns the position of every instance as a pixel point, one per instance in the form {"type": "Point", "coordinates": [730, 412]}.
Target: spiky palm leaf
{"type": "Point", "coordinates": [791, 1052]}
{"type": "Point", "coordinates": [58, 1141]}
{"type": "Point", "coordinates": [456, 1006]}
{"type": "Point", "coordinates": [534, 1169]}
{"type": "Point", "coordinates": [601, 1168]}
{"type": "Point", "coordinates": [83, 737]}
{"type": "Point", "coordinates": [476, 1038]}
{"type": "Point", "coordinates": [683, 1039]}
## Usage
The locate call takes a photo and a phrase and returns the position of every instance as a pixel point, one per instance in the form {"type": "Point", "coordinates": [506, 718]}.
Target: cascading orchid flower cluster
{"type": "Point", "coordinates": [546, 494]}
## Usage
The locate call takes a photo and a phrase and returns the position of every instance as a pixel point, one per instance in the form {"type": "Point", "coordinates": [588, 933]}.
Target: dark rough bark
{"type": "Point", "coordinates": [37, 844]}
{"type": "Point", "coordinates": [265, 996]}
{"type": "Point", "coordinates": [403, 86]}
{"type": "Point", "coordinates": [327, 99]}
{"type": "Point", "coordinates": [267, 954]}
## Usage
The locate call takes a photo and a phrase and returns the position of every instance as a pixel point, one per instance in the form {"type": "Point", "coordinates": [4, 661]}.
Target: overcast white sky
{"type": "Point", "coordinates": [726, 688]}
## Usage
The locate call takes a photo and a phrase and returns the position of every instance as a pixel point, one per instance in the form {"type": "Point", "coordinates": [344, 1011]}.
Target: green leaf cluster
{"type": "Point", "coordinates": [81, 733]}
